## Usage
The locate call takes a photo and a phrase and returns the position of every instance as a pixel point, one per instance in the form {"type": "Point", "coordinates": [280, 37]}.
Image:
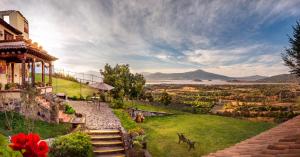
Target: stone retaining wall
{"type": "Point", "coordinates": [133, 112]}
{"type": "Point", "coordinates": [37, 111]}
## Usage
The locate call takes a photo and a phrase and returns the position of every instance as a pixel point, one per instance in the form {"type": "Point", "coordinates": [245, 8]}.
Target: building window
{"type": "Point", "coordinates": [6, 18]}
{"type": "Point", "coordinates": [8, 36]}
{"type": "Point", "coordinates": [26, 29]}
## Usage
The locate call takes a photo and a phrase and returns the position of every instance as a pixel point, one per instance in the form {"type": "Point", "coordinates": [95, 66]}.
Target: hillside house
{"type": "Point", "coordinates": [19, 56]}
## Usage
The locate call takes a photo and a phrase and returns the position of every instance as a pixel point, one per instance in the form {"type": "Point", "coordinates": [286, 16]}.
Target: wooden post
{"type": "Point", "coordinates": [50, 73]}
{"type": "Point", "coordinates": [43, 73]}
{"type": "Point", "coordinates": [12, 72]}
{"type": "Point", "coordinates": [23, 71]}
{"type": "Point", "coordinates": [33, 72]}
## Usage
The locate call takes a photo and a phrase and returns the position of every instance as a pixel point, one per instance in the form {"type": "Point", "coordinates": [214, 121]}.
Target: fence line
{"type": "Point", "coordinates": [80, 76]}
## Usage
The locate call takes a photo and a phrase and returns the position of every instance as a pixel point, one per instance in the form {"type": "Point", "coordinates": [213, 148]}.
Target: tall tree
{"type": "Point", "coordinates": [125, 82]}
{"type": "Point", "coordinates": [291, 57]}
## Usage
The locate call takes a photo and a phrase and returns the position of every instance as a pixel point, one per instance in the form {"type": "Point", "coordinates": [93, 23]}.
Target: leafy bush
{"type": "Point", "coordinates": [117, 103]}
{"type": "Point", "coordinates": [76, 144]}
{"type": "Point", "coordinates": [5, 150]}
{"type": "Point", "coordinates": [9, 86]}
{"type": "Point", "coordinates": [102, 97]}
{"type": "Point", "coordinates": [69, 109]}
{"type": "Point", "coordinates": [136, 131]}
{"type": "Point", "coordinates": [165, 98]}
{"type": "Point", "coordinates": [74, 98]}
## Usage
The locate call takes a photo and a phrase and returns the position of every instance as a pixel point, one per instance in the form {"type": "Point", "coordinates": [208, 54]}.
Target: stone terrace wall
{"type": "Point", "coordinates": [45, 110]}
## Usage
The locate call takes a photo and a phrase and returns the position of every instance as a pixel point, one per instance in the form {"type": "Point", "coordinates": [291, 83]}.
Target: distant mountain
{"type": "Point", "coordinates": [192, 75]}
{"type": "Point", "coordinates": [282, 78]}
{"type": "Point", "coordinates": [251, 78]}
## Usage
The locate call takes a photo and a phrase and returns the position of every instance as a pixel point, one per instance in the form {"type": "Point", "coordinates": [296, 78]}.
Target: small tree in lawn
{"type": "Point", "coordinates": [165, 98]}
{"type": "Point", "coordinates": [29, 103]}
{"type": "Point", "coordinates": [291, 57]}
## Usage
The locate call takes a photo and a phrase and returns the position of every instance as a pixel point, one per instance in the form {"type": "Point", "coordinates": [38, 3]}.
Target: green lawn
{"type": "Point", "coordinates": [70, 88]}
{"type": "Point", "coordinates": [211, 132]}
{"type": "Point", "coordinates": [44, 129]}
{"type": "Point", "coordinates": [125, 119]}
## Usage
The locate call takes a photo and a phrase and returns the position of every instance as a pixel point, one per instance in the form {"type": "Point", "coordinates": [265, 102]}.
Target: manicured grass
{"type": "Point", "coordinates": [70, 88]}
{"type": "Point", "coordinates": [44, 129]}
{"type": "Point", "coordinates": [125, 119]}
{"type": "Point", "coordinates": [210, 132]}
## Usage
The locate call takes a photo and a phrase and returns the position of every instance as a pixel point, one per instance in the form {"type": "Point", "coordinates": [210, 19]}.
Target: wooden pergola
{"type": "Point", "coordinates": [27, 53]}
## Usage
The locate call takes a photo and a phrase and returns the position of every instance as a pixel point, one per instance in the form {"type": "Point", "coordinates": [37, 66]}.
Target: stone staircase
{"type": "Point", "coordinates": [107, 143]}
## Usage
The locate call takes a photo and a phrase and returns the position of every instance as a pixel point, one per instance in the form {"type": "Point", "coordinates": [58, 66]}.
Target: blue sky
{"type": "Point", "coordinates": [234, 37]}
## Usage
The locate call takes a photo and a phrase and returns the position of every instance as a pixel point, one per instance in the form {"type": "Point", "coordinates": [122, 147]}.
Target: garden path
{"type": "Point", "coordinates": [96, 118]}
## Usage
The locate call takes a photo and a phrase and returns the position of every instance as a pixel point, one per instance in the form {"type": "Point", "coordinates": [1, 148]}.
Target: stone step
{"type": "Point", "coordinates": [109, 150]}
{"type": "Point", "coordinates": [107, 143]}
{"type": "Point", "coordinates": [105, 137]}
{"type": "Point", "coordinates": [93, 132]}
{"type": "Point", "coordinates": [111, 155]}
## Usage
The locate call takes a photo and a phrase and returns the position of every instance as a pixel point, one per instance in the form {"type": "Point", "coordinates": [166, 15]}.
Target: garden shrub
{"type": "Point", "coordinates": [75, 144]}
{"type": "Point", "coordinates": [117, 103]}
{"type": "Point", "coordinates": [102, 97]}
{"type": "Point", "coordinates": [165, 98]}
{"type": "Point", "coordinates": [9, 86]}
{"type": "Point", "coordinates": [74, 97]}
{"type": "Point", "coordinates": [69, 109]}
{"type": "Point", "coordinates": [136, 131]}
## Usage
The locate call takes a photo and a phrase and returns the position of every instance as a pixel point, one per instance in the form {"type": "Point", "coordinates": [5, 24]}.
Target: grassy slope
{"type": "Point", "coordinates": [44, 129]}
{"type": "Point", "coordinates": [69, 87]}
{"type": "Point", "coordinates": [210, 132]}
{"type": "Point", "coordinates": [125, 119]}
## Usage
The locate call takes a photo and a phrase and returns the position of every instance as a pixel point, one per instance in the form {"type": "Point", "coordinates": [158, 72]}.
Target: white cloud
{"type": "Point", "coordinates": [185, 34]}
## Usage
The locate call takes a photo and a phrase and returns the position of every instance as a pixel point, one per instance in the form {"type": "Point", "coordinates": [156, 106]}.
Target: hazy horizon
{"type": "Point", "coordinates": [236, 38]}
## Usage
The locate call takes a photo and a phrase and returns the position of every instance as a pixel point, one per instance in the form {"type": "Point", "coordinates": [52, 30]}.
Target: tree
{"type": "Point", "coordinates": [28, 98]}
{"type": "Point", "coordinates": [125, 82]}
{"type": "Point", "coordinates": [291, 57]}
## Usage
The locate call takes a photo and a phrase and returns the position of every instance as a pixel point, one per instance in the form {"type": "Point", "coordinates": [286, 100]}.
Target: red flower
{"type": "Point", "coordinates": [42, 149]}
{"type": "Point", "coordinates": [32, 144]}
{"type": "Point", "coordinates": [18, 141]}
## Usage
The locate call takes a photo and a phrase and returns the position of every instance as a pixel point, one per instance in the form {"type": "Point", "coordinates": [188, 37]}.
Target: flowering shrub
{"type": "Point", "coordinates": [29, 145]}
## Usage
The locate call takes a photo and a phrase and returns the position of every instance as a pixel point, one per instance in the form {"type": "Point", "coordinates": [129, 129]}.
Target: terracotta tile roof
{"type": "Point", "coordinates": [17, 44]}
{"type": "Point", "coordinates": [281, 141]}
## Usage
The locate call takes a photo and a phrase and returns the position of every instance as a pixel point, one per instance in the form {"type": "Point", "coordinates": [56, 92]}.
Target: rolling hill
{"type": "Point", "coordinates": [192, 75]}
{"type": "Point", "coordinates": [197, 75]}
{"type": "Point", "coordinates": [282, 78]}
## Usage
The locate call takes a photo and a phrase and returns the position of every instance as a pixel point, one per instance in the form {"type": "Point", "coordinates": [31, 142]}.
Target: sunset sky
{"type": "Point", "coordinates": [234, 38]}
